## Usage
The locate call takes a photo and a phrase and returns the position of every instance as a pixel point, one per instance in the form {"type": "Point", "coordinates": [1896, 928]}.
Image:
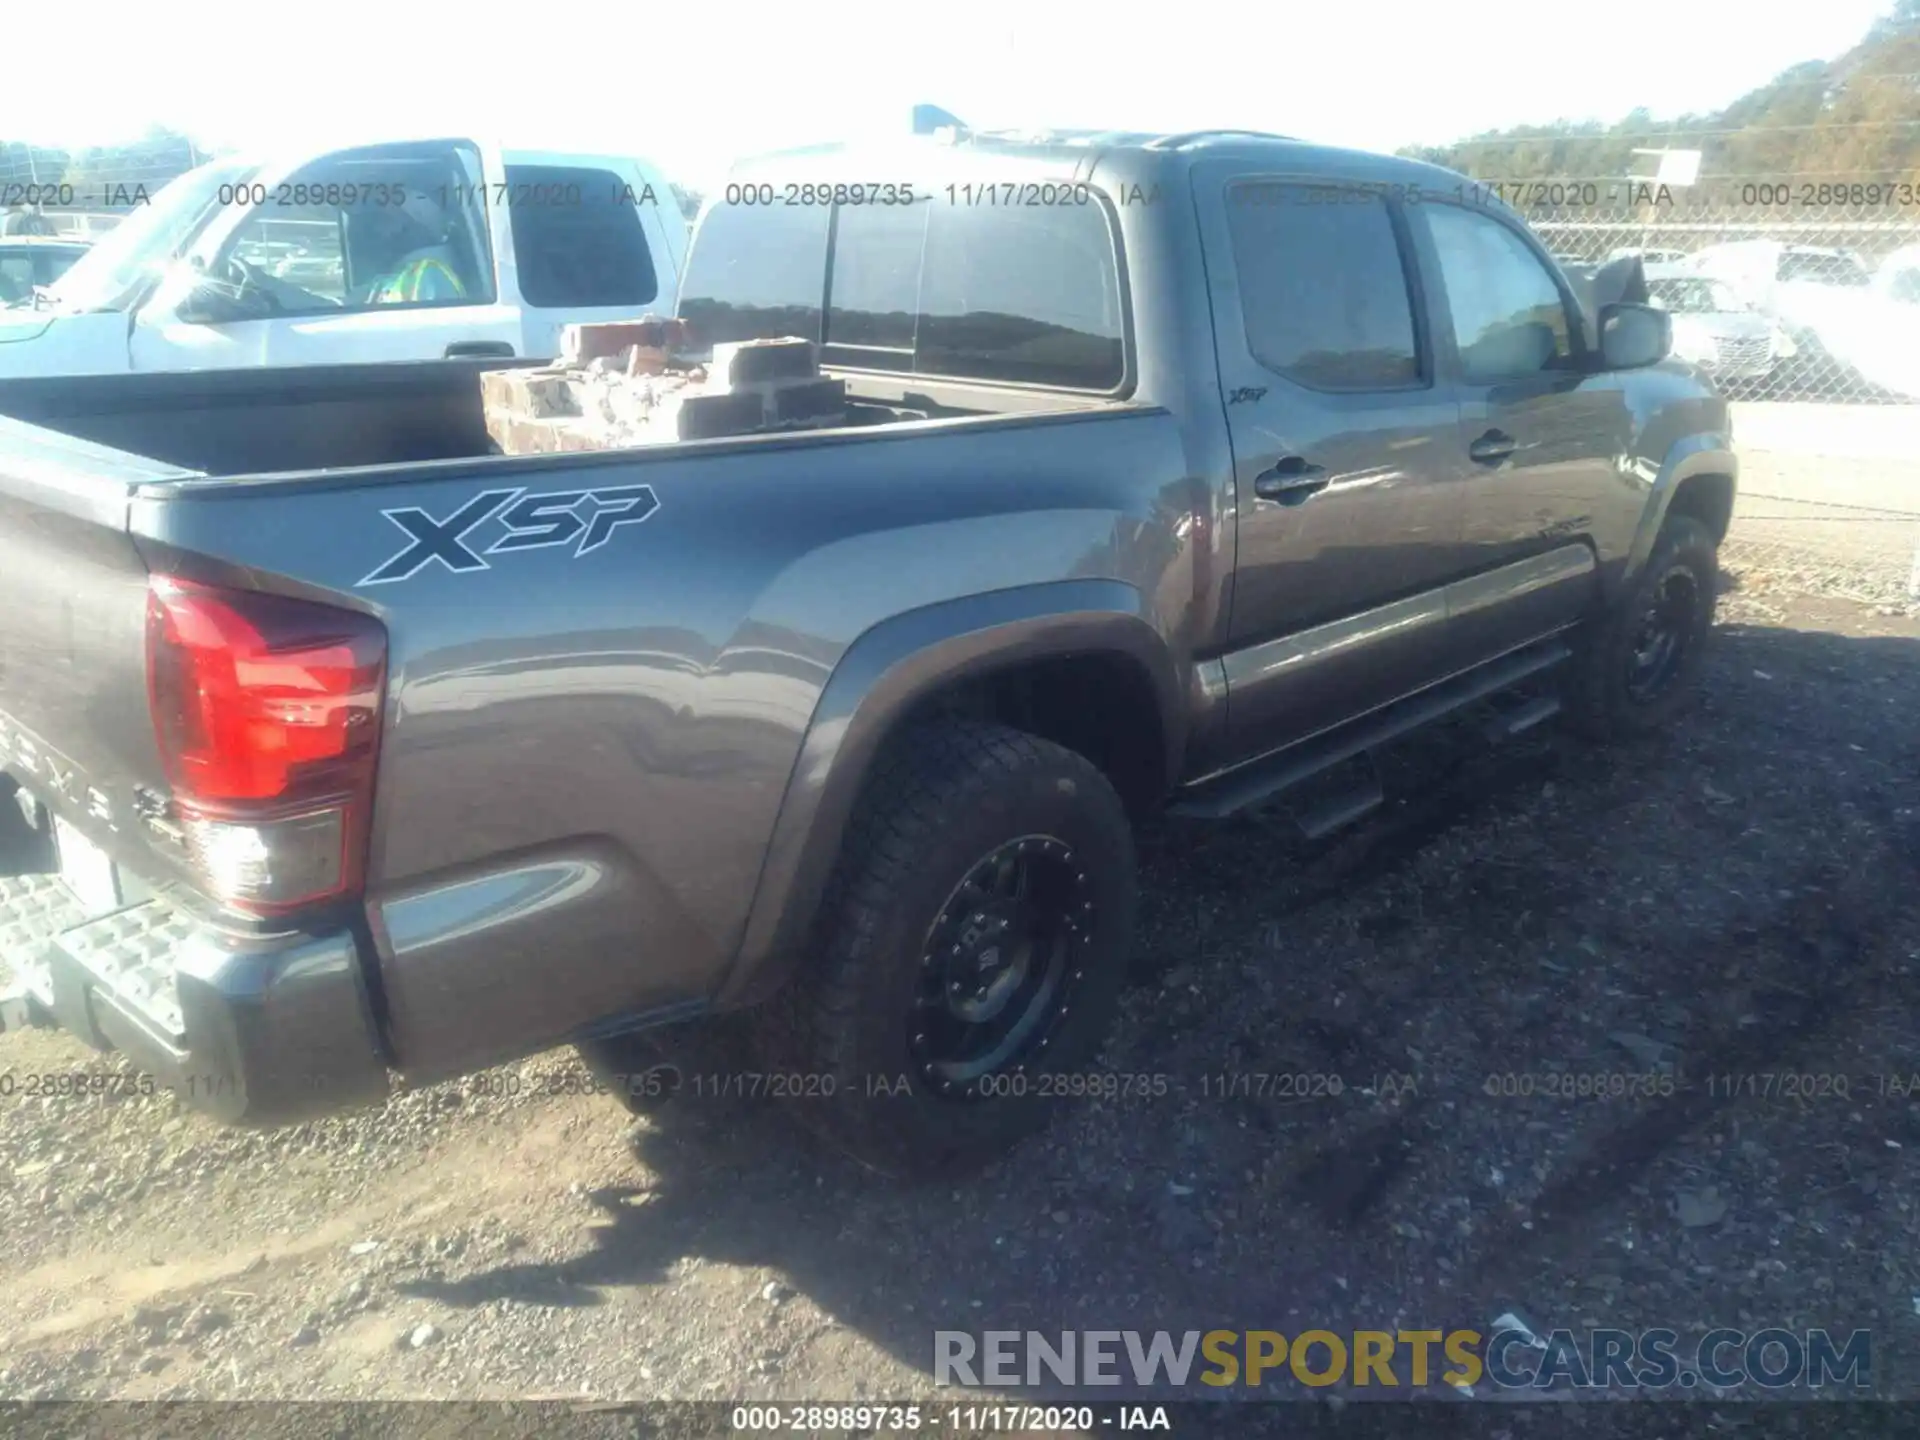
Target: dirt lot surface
{"type": "Point", "coordinates": [1737, 898]}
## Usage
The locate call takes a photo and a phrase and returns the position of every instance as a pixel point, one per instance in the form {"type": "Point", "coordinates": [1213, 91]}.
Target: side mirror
{"type": "Point", "coordinates": [1634, 336]}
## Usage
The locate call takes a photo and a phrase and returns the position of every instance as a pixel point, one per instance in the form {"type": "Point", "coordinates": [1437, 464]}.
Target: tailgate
{"type": "Point", "coordinates": [74, 723]}
{"type": "Point", "coordinates": [261, 1027]}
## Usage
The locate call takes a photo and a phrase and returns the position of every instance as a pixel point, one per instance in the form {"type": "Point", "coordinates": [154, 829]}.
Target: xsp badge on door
{"type": "Point", "coordinates": [509, 520]}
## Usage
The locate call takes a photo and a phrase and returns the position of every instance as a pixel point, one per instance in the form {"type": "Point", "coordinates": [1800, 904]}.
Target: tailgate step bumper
{"type": "Point", "coordinates": [33, 910]}
{"type": "Point", "coordinates": [253, 1030]}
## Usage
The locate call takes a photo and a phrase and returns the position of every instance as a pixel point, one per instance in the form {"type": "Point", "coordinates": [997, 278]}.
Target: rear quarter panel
{"type": "Point", "coordinates": [585, 755]}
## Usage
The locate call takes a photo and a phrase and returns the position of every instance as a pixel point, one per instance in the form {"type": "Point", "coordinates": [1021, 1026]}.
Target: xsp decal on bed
{"type": "Point", "coordinates": [584, 519]}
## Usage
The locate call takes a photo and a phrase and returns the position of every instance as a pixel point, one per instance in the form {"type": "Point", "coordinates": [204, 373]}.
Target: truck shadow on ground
{"type": "Point", "coordinates": [1736, 896]}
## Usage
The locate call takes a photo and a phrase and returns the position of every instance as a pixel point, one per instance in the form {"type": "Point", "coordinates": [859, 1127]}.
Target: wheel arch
{"type": "Point", "coordinates": [1699, 477]}
{"type": "Point", "coordinates": [941, 657]}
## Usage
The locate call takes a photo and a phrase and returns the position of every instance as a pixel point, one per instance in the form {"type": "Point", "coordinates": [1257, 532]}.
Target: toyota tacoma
{"type": "Point", "coordinates": [1177, 471]}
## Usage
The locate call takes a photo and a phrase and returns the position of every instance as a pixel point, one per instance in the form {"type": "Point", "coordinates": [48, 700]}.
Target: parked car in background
{"type": "Point", "coordinates": [418, 250]}
{"type": "Point", "coordinates": [29, 261]}
{"type": "Point", "coordinates": [1825, 300]}
{"type": "Point", "coordinates": [1714, 328]}
{"type": "Point", "coordinates": [1809, 289]}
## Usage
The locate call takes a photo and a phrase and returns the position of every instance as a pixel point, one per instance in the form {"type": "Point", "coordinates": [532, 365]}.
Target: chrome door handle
{"type": "Point", "coordinates": [1291, 481]}
{"type": "Point", "coordinates": [1492, 447]}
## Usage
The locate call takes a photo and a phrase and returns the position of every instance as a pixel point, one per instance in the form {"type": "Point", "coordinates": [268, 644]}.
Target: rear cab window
{"type": "Point", "coordinates": [1021, 295]}
{"type": "Point", "coordinates": [756, 273]}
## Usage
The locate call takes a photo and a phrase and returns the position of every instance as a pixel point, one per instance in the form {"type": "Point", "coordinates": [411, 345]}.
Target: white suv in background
{"type": "Point", "coordinates": [1850, 325]}
{"type": "Point", "coordinates": [1713, 328]}
{"type": "Point", "coordinates": [1809, 289]}
{"type": "Point", "coordinates": [288, 261]}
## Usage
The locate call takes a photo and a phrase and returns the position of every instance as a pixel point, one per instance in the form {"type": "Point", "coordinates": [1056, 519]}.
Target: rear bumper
{"type": "Point", "coordinates": [254, 1031]}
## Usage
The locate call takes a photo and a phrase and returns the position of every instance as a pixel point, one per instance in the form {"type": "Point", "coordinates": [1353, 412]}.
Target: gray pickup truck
{"type": "Point", "coordinates": [1178, 471]}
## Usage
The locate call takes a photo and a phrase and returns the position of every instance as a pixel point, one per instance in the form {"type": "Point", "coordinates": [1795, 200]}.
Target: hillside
{"type": "Point", "coordinates": [1854, 119]}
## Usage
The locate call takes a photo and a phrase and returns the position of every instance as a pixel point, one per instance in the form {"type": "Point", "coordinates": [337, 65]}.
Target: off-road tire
{"type": "Point", "coordinates": [945, 795]}
{"type": "Point", "coordinates": [1600, 702]}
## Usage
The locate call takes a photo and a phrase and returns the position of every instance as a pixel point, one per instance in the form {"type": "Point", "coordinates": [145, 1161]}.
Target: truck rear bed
{"type": "Point", "coordinates": [583, 744]}
{"type": "Point", "coordinates": [280, 421]}
{"type": "Point", "coordinates": [240, 422]}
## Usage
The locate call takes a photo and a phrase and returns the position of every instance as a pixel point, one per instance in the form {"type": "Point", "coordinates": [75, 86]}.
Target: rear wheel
{"type": "Point", "coordinates": [972, 948]}
{"type": "Point", "coordinates": [1636, 667]}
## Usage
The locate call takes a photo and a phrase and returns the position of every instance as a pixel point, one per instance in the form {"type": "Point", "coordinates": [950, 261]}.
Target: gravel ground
{"type": "Point", "coordinates": [1735, 897]}
{"type": "Point", "coordinates": [1845, 552]}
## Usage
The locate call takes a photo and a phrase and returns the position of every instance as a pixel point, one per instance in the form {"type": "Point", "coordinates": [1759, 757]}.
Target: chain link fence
{"type": "Point", "coordinates": [1829, 501]}
{"type": "Point", "coordinates": [1800, 296]}
{"type": "Point", "coordinates": [1782, 546]}
{"type": "Point", "coordinates": [1792, 288]}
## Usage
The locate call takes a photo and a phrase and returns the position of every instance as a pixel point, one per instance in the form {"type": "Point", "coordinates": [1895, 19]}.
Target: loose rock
{"type": "Point", "coordinates": [1697, 1209]}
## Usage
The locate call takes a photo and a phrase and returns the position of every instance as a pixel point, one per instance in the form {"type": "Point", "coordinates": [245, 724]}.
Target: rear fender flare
{"type": "Point", "coordinates": [882, 678]}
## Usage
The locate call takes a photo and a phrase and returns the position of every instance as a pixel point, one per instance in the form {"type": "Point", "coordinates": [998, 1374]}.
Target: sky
{"type": "Point", "coordinates": [692, 86]}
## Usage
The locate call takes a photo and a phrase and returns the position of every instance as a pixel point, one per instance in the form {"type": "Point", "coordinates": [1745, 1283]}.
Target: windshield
{"type": "Point", "coordinates": [109, 275]}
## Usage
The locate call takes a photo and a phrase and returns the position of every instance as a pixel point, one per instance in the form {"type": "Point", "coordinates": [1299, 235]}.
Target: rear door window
{"type": "Point", "coordinates": [577, 238]}
{"type": "Point", "coordinates": [1323, 286]}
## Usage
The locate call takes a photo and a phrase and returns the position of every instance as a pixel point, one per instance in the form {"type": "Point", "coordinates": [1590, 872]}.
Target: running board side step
{"type": "Point", "coordinates": [1523, 717]}
{"type": "Point", "coordinates": [1259, 780]}
{"type": "Point", "coordinates": [1363, 797]}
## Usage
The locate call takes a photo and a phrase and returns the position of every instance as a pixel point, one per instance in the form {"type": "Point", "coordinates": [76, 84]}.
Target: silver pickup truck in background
{"type": "Point", "coordinates": [1177, 470]}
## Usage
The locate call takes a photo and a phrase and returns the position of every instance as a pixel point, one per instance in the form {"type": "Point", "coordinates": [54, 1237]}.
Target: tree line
{"type": "Point", "coordinates": [1854, 119]}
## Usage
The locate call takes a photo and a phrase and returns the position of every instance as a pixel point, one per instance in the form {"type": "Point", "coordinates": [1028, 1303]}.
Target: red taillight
{"type": "Point", "coordinates": [268, 716]}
